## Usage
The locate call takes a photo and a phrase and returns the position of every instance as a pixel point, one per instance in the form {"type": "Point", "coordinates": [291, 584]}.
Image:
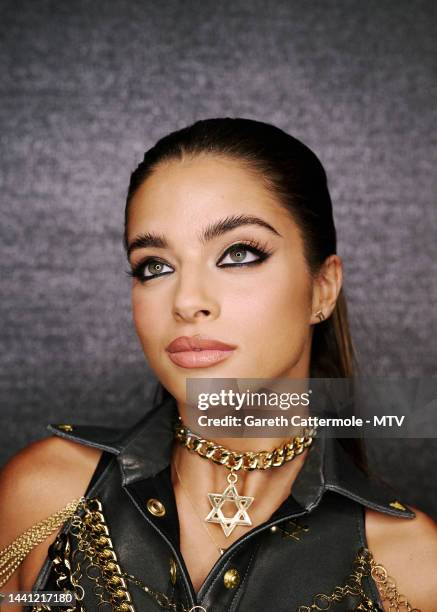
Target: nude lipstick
{"type": "Point", "coordinates": [198, 351]}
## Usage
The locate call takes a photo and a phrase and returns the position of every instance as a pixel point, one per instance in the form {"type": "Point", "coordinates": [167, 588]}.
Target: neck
{"type": "Point", "coordinates": [203, 475]}
{"type": "Point", "coordinates": [270, 487]}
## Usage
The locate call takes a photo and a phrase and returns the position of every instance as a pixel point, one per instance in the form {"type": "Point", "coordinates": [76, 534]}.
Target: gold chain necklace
{"type": "Point", "coordinates": [13, 555]}
{"type": "Point", "coordinates": [220, 549]}
{"type": "Point", "coordinates": [364, 565]}
{"type": "Point", "coordinates": [235, 461]}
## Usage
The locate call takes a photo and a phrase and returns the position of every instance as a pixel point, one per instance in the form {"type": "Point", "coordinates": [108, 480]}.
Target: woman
{"type": "Point", "coordinates": [230, 239]}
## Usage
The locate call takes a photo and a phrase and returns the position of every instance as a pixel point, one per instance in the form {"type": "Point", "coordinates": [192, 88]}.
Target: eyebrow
{"type": "Point", "coordinates": [210, 232]}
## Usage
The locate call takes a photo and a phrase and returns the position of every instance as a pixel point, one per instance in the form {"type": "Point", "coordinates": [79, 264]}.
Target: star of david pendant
{"type": "Point", "coordinates": [230, 494]}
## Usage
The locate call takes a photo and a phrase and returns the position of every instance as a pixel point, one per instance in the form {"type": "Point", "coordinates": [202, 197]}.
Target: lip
{"type": "Point", "coordinates": [196, 343]}
{"type": "Point", "coordinates": [198, 351]}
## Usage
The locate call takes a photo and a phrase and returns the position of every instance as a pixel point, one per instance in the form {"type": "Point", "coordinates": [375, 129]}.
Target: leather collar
{"type": "Point", "coordinates": [143, 451]}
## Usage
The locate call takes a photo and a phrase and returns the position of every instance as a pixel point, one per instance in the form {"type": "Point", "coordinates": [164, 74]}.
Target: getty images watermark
{"type": "Point", "coordinates": [342, 407]}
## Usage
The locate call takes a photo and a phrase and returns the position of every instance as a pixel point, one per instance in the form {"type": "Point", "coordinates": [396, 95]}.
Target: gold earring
{"type": "Point", "coordinates": [319, 314]}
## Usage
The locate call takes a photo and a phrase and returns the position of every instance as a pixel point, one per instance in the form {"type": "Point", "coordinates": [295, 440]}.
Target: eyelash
{"type": "Point", "coordinates": [254, 246]}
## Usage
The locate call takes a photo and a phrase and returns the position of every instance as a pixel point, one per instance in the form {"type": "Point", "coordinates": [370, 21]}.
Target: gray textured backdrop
{"type": "Point", "coordinates": [86, 87]}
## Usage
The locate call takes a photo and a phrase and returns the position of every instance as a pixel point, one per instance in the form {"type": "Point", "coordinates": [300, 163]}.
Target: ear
{"type": "Point", "coordinates": [326, 287]}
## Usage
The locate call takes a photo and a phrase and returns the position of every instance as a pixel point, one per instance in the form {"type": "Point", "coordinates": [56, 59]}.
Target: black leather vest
{"type": "Point", "coordinates": [307, 546]}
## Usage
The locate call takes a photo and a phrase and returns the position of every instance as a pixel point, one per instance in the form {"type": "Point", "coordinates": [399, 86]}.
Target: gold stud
{"type": "Point", "coordinates": [173, 570]}
{"type": "Point", "coordinates": [319, 314]}
{"type": "Point", "coordinates": [110, 566]}
{"type": "Point", "coordinates": [231, 578]}
{"type": "Point", "coordinates": [107, 554]}
{"type": "Point", "coordinates": [155, 507]}
{"type": "Point", "coordinates": [273, 528]}
{"type": "Point", "coordinates": [396, 504]}
{"type": "Point", "coordinates": [65, 427]}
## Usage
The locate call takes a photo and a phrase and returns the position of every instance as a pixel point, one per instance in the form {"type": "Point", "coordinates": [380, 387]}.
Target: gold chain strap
{"type": "Point", "coordinates": [16, 551]}
{"type": "Point", "coordinates": [389, 591]}
{"type": "Point", "coordinates": [95, 547]}
{"type": "Point", "coordinates": [60, 554]}
{"type": "Point", "coordinates": [161, 598]}
{"type": "Point", "coordinates": [250, 460]}
{"type": "Point", "coordinates": [364, 565]}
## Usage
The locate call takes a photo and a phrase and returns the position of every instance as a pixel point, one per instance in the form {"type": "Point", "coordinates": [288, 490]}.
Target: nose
{"type": "Point", "coordinates": [193, 300]}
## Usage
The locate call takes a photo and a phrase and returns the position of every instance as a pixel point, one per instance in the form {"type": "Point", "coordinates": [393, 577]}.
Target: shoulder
{"type": "Point", "coordinates": [407, 548]}
{"type": "Point", "coordinates": [39, 480]}
{"type": "Point", "coordinates": [41, 467]}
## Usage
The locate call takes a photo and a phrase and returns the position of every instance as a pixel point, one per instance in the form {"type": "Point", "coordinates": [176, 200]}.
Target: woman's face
{"type": "Point", "coordinates": [263, 308]}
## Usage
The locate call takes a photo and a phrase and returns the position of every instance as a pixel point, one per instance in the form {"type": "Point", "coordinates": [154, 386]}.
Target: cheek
{"type": "Point", "coordinates": [272, 319]}
{"type": "Point", "coordinates": [147, 317]}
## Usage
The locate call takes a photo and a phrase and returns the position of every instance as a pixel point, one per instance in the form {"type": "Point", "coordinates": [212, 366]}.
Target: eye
{"type": "Point", "coordinates": [240, 254]}
{"type": "Point", "coordinates": [154, 266]}
{"type": "Point", "coordinates": [237, 255]}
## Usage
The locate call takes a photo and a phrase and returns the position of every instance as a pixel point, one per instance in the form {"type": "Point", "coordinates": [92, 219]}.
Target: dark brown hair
{"type": "Point", "coordinates": [296, 177]}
